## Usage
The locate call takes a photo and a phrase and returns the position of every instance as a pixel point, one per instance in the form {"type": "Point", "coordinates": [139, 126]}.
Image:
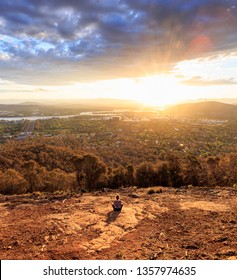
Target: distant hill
{"type": "Point", "coordinates": [19, 107]}
{"type": "Point", "coordinates": [29, 103]}
{"type": "Point", "coordinates": [99, 104]}
{"type": "Point", "coordinates": [88, 104]}
{"type": "Point", "coordinates": [232, 101]}
{"type": "Point", "coordinates": [66, 107]}
{"type": "Point", "coordinates": [209, 109]}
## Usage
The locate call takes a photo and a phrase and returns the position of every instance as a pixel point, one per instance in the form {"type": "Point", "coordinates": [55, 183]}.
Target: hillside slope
{"type": "Point", "coordinates": [188, 223]}
{"type": "Point", "coordinates": [210, 109]}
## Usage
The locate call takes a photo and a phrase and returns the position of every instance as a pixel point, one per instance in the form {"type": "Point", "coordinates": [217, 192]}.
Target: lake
{"type": "Point", "coordinates": [34, 118]}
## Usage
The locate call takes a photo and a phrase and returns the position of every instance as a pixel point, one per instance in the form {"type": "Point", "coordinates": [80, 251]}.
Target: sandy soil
{"type": "Point", "coordinates": [187, 223]}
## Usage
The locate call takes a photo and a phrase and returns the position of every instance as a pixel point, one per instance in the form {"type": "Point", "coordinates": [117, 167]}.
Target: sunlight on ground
{"type": "Point", "coordinates": [204, 205]}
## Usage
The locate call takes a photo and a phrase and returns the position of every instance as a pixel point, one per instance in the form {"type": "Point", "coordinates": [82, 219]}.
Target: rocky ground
{"type": "Point", "coordinates": [187, 223]}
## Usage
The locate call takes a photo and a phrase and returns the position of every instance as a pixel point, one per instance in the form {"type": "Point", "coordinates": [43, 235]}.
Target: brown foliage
{"type": "Point", "coordinates": [11, 182]}
{"type": "Point", "coordinates": [89, 169]}
{"type": "Point", "coordinates": [54, 165]}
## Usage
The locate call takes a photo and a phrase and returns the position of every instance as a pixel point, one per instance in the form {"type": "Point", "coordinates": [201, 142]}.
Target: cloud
{"type": "Point", "coordinates": [199, 81]}
{"type": "Point", "coordinates": [40, 90]}
{"type": "Point", "coordinates": [54, 41]}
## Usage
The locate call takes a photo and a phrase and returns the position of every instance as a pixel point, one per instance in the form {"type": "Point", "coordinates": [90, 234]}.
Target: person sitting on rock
{"type": "Point", "coordinates": [117, 204]}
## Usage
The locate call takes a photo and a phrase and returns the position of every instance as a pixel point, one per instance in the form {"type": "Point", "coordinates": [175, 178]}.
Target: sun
{"type": "Point", "coordinates": [153, 91]}
{"type": "Point", "coordinates": [159, 90]}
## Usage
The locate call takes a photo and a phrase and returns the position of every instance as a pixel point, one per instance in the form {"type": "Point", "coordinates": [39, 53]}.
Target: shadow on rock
{"type": "Point", "coordinates": [112, 216]}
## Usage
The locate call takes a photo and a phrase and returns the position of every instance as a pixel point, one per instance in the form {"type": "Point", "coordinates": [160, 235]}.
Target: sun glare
{"type": "Point", "coordinates": [159, 91]}
{"type": "Point", "coordinates": [155, 90]}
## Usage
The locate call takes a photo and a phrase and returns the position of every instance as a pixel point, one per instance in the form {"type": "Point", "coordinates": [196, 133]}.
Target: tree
{"type": "Point", "coordinates": [58, 180]}
{"type": "Point", "coordinates": [117, 177]}
{"type": "Point", "coordinates": [32, 173]}
{"type": "Point", "coordinates": [162, 174]}
{"type": "Point", "coordinates": [129, 175]}
{"type": "Point", "coordinates": [214, 172]}
{"type": "Point", "coordinates": [195, 173]}
{"type": "Point", "coordinates": [11, 182]}
{"type": "Point", "coordinates": [229, 169]}
{"type": "Point", "coordinates": [89, 169]}
{"type": "Point", "coordinates": [145, 175]}
{"type": "Point", "coordinates": [175, 170]}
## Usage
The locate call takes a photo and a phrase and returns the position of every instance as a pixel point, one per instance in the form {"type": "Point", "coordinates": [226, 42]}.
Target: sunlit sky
{"type": "Point", "coordinates": [153, 51]}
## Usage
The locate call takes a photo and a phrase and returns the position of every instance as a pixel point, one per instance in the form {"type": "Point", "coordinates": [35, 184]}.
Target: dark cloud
{"type": "Point", "coordinates": [109, 38]}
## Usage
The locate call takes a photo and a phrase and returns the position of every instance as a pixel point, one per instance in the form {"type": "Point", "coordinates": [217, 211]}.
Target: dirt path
{"type": "Point", "coordinates": [174, 224]}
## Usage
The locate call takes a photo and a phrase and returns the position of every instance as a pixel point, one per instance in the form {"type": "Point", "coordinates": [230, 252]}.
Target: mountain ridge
{"type": "Point", "coordinates": [207, 109]}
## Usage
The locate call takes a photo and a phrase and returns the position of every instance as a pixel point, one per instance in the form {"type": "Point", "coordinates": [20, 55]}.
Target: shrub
{"type": "Point", "coordinates": [11, 182]}
{"type": "Point", "coordinates": [152, 191]}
